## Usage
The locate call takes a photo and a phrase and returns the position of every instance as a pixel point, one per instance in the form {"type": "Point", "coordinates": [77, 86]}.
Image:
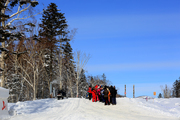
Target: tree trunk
{"type": "Point", "coordinates": [71, 90]}
{"type": "Point", "coordinates": [2, 57]}
{"type": "Point", "coordinates": [37, 86]}
{"type": "Point", "coordinates": [28, 92]}
{"type": "Point", "coordinates": [43, 91]}
{"type": "Point", "coordinates": [60, 68]}
{"type": "Point", "coordinates": [72, 95]}
{"type": "Point", "coordinates": [70, 84]}
{"type": "Point", "coordinates": [77, 87]}
{"type": "Point", "coordinates": [49, 87]}
{"type": "Point", "coordinates": [60, 77]}
{"type": "Point", "coordinates": [34, 87]}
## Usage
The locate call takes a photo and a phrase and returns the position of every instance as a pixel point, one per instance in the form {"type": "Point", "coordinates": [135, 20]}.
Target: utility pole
{"type": "Point", "coordinates": [133, 91]}
{"type": "Point", "coordinates": [125, 91]}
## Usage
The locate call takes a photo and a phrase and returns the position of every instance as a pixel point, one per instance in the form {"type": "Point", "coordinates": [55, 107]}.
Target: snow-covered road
{"type": "Point", "coordinates": [83, 109]}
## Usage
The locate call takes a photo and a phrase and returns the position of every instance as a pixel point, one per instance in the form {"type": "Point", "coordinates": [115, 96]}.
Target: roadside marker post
{"type": "Point", "coordinates": [154, 95]}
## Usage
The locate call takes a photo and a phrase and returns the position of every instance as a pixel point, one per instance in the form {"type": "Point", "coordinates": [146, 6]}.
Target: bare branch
{"type": "Point", "coordinates": [18, 12]}
{"type": "Point", "coordinates": [26, 80]}
{"type": "Point", "coordinates": [7, 2]}
{"type": "Point", "coordinates": [23, 70]}
{"type": "Point", "coordinates": [22, 18]}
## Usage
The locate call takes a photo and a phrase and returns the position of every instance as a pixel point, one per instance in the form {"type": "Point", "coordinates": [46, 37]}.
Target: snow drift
{"type": "Point", "coordinates": [83, 109]}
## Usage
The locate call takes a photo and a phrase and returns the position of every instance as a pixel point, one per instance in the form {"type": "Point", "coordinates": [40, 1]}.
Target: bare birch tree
{"type": "Point", "coordinates": [81, 60]}
{"type": "Point", "coordinates": [166, 91]}
{"type": "Point", "coordinates": [6, 23]}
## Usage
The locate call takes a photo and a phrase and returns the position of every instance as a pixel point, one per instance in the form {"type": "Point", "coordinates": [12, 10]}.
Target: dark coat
{"type": "Point", "coordinates": [62, 92]}
{"type": "Point", "coordinates": [113, 92]}
{"type": "Point", "coordinates": [105, 93]}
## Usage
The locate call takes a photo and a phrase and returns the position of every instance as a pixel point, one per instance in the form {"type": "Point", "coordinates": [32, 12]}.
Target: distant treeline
{"type": "Point", "coordinates": [171, 92]}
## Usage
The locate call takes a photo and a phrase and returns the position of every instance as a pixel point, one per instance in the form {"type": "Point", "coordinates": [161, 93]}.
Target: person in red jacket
{"type": "Point", "coordinates": [98, 93]}
{"type": "Point", "coordinates": [96, 88]}
{"type": "Point", "coordinates": [90, 92]}
{"type": "Point", "coordinates": [94, 95]}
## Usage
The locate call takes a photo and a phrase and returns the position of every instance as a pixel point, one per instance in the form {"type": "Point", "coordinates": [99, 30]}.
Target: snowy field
{"type": "Point", "coordinates": [83, 109]}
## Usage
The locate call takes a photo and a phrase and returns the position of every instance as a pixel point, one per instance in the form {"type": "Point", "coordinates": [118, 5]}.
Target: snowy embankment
{"type": "Point", "coordinates": [83, 109]}
{"type": "Point", "coordinates": [168, 107]}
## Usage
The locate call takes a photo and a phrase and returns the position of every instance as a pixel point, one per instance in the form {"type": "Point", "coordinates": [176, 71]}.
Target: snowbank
{"type": "Point", "coordinates": [83, 109]}
{"type": "Point", "coordinates": [168, 107]}
{"type": "Point", "coordinates": [4, 94]}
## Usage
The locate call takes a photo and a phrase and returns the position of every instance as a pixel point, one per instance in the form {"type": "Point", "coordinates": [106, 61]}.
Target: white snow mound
{"type": "Point", "coordinates": [84, 109]}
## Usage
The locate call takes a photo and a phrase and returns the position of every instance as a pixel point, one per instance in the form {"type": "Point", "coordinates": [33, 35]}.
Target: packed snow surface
{"type": "Point", "coordinates": [84, 109]}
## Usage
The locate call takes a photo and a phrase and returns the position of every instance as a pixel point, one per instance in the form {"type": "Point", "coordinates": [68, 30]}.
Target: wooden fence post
{"type": "Point", "coordinates": [133, 91]}
{"type": "Point", "coordinates": [125, 91]}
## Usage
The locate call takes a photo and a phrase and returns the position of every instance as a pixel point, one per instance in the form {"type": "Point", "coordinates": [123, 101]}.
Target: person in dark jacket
{"type": "Point", "coordinates": [102, 95]}
{"type": "Point", "coordinates": [106, 95]}
{"type": "Point", "coordinates": [114, 92]}
{"type": "Point", "coordinates": [90, 92]}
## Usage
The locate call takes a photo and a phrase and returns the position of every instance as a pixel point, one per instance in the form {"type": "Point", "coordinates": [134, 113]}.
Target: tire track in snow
{"type": "Point", "coordinates": [71, 109]}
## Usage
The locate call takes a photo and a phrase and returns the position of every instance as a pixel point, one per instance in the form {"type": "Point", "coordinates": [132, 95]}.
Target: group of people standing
{"type": "Point", "coordinates": [104, 94]}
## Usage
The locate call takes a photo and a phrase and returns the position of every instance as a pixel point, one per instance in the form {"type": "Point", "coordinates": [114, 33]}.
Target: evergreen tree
{"type": "Point", "coordinates": [53, 25]}
{"type": "Point", "coordinates": [176, 88]}
{"type": "Point", "coordinates": [69, 68]}
{"type": "Point", "coordinates": [104, 78]}
{"type": "Point", "coordinates": [83, 86]}
{"type": "Point", "coordinates": [160, 95]}
{"type": "Point", "coordinates": [14, 80]}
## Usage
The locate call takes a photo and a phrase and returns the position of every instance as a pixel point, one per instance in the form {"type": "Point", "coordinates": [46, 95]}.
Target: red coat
{"type": "Point", "coordinates": [89, 90]}
{"type": "Point", "coordinates": [94, 93]}
{"type": "Point", "coordinates": [96, 86]}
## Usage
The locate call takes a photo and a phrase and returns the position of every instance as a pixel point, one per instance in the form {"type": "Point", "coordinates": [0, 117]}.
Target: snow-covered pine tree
{"type": "Point", "coordinates": [83, 85]}
{"type": "Point", "coordinates": [69, 68]}
{"type": "Point", "coordinates": [14, 82]}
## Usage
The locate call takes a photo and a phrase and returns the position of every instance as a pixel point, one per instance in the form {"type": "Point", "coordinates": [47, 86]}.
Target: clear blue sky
{"type": "Point", "coordinates": [131, 41]}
